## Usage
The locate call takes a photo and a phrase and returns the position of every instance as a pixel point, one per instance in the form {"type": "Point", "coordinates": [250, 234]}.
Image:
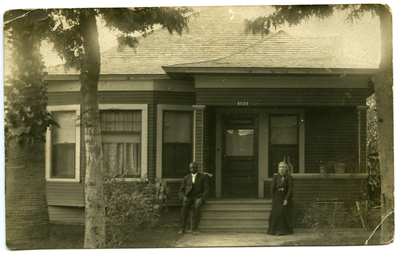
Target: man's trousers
{"type": "Point", "coordinates": [198, 203]}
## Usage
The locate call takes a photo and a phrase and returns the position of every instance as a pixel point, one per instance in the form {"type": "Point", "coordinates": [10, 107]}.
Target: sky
{"type": "Point", "coordinates": [352, 34]}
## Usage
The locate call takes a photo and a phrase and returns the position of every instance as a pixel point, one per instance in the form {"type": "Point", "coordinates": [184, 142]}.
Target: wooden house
{"type": "Point", "coordinates": [235, 103]}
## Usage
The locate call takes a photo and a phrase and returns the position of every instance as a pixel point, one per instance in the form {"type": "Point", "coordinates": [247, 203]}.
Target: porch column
{"type": "Point", "coordinates": [198, 140]}
{"type": "Point", "coordinates": [362, 138]}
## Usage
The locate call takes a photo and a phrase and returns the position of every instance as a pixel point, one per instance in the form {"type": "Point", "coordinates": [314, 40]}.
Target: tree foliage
{"type": "Point", "coordinates": [295, 14]}
{"type": "Point", "coordinates": [26, 116]}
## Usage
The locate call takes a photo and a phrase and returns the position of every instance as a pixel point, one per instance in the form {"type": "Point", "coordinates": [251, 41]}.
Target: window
{"type": "Point", "coordinates": [283, 141]}
{"type": "Point", "coordinates": [121, 137]}
{"type": "Point", "coordinates": [177, 143]}
{"type": "Point", "coordinates": [239, 142]}
{"type": "Point", "coordinates": [62, 145]}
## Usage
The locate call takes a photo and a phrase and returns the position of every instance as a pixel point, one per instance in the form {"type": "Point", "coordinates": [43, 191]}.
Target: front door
{"type": "Point", "coordinates": [239, 156]}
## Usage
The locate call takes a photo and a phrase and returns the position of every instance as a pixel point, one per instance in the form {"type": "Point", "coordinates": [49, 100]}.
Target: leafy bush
{"type": "Point", "coordinates": [328, 220]}
{"type": "Point", "coordinates": [370, 215]}
{"type": "Point", "coordinates": [131, 205]}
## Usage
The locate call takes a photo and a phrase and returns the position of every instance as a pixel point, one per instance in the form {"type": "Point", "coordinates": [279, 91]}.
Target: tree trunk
{"type": "Point", "coordinates": [90, 71]}
{"type": "Point", "coordinates": [27, 217]}
{"type": "Point", "coordinates": [383, 83]}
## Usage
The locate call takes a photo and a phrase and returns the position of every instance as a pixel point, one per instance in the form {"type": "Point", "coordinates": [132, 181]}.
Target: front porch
{"type": "Point", "coordinates": [251, 214]}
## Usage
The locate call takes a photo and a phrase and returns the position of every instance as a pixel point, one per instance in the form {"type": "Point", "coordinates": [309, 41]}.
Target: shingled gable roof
{"type": "Point", "coordinates": [216, 40]}
{"type": "Point", "coordinates": [279, 50]}
{"type": "Point", "coordinates": [213, 34]}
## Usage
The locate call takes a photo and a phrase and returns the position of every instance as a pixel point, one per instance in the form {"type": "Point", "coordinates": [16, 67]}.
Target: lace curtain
{"type": "Point", "coordinates": [122, 159]}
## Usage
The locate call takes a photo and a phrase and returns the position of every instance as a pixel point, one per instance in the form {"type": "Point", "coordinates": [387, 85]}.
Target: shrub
{"type": "Point", "coordinates": [131, 205]}
{"type": "Point", "coordinates": [328, 220]}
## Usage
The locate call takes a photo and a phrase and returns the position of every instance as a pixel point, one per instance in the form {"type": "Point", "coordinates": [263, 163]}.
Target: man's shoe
{"type": "Point", "coordinates": [194, 232]}
{"type": "Point", "coordinates": [181, 231]}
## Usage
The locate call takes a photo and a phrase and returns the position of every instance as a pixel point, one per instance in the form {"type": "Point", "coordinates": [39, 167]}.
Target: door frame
{"type": "Point", "coordinates": [263, 146]}
{"type": "Point", "coordinates": [253, 115]}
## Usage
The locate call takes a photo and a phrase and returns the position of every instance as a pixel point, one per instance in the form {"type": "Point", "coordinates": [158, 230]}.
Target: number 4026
{"type": "Point", "coordinates": [243, 103]}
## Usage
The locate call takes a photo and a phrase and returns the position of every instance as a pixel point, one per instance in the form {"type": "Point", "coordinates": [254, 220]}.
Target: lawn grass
{"type": "Point", "coordinates": [61, 237]}
{"type": "Point", "coordinates": [72, 237]}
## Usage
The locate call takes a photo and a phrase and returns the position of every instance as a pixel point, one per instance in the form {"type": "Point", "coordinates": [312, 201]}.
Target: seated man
{"type": "Point", "coordinates": [194, 189]}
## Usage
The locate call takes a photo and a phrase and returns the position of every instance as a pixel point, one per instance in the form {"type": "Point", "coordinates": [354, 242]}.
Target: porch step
{"type": "Point", "coordinates": [238, 204]}
{"type": "Point", "coordinates": [215, 213]}
{"type": "Point", "coordinates": [233, 221]}
{"type": "Point", "coordinates": [235, 215]}
{"type": "Point", "coordinates": [233, 229]}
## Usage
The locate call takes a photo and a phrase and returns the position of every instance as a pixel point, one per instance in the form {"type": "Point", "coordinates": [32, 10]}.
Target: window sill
{"type": "Point", "coordinates": [322, 176]}
{"type": "Point", "coordinates": [172, 179]}
{"type": "Point", "coordinates": [64, 180]}
{"type": "Point", "coordinates": [129, 179]}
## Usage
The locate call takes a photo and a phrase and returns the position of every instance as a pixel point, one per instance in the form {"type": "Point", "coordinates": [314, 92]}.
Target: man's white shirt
{"type": "Point", "coordinates": [194, 177]}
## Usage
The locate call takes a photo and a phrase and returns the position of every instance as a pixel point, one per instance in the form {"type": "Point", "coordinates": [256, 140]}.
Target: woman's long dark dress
{"type": "Point", "coordinates": [280, 218]}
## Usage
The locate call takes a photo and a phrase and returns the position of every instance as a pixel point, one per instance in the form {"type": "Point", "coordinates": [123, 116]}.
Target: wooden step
{"type": "Point", "coordinates": [235, 229]}
{"type": "Point", "coordinates": [238, 206]}
{"type": "Point", "coordinates": [235, 215]}
{"type": "Point", "coordinates": [262, 213]}
{"type": "Point", "coordinates": [233, 221]}
{"type": "Point", "coordinates": [238, 201]}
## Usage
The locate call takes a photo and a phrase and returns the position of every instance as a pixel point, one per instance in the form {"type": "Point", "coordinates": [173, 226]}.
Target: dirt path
{"type": "Point", "coordinates": [221, 239]}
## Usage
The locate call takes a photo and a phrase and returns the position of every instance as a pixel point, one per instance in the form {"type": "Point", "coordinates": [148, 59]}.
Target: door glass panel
{"type": "Point", "coordinates": [283, 130]}
{"type": "Point", "coordinates": [239, 142]}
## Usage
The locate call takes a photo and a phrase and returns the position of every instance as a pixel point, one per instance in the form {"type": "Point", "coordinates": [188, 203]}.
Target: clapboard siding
{"type": "Point", "coordinates": [310, 190]}
{"type": "Point", "coordinates": [65, 194]}
{"type": "Point", "coordinates": [198, 137]}
{"type": "Point", "coordinates": [173, 196]}
{"type": "Point", "coordinates": [152, 139]}
{"type": "Point", "coordinates": [146, 97]}
{"type": "Point", "coordinates": [125, 97]}
{"type": "Point", "coordinates": [63, 98]}
{"type": "Point", "coordinates": [330, 132]}
{"type": "Point", "coordinates": [62, 214]}
{"type": "Point", "coordinates": [209, 146]}
{"type": "Point", "coordinates": [281, 97]}
{"type": "Point", "coordinates": [362, 117]}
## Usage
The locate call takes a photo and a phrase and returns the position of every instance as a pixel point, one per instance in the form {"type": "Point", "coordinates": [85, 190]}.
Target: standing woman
{"type": "Point", "coordinates": [280, 218]}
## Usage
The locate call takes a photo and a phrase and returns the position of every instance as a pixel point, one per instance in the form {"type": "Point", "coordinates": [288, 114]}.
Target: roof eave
{"type": "Point", "coordinates": [184, 71]}
{"type": "Point", "coordinates": [105, 77]}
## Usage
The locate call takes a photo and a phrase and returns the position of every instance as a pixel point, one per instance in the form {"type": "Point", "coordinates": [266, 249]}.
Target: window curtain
{"type": "Point", "coordinates": [122, 158]}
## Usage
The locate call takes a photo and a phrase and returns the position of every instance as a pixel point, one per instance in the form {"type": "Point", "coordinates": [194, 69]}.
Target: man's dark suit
{"type": "Point", "coordinates": [195, 193]}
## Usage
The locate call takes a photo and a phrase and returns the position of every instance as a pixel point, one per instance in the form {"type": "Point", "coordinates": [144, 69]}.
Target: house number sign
{"type": "Point", "coordinates": [243, 103]}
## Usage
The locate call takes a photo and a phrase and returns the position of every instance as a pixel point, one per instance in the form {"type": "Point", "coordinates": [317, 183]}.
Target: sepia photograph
{"type": "Point", "coordinates": [201, 125]}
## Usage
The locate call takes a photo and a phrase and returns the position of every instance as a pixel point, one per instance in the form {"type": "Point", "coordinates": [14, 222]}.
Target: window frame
{"type": "Point", "coordinates": [143, 134]}
{"type": "Point", "coordinates": [49, 153]}
{"type": "Point", "coordinates": [160, 118]}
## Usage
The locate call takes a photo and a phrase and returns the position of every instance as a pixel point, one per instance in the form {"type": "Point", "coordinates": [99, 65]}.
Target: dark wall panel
{"type": "Point", "coordinates": [330, 134]}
